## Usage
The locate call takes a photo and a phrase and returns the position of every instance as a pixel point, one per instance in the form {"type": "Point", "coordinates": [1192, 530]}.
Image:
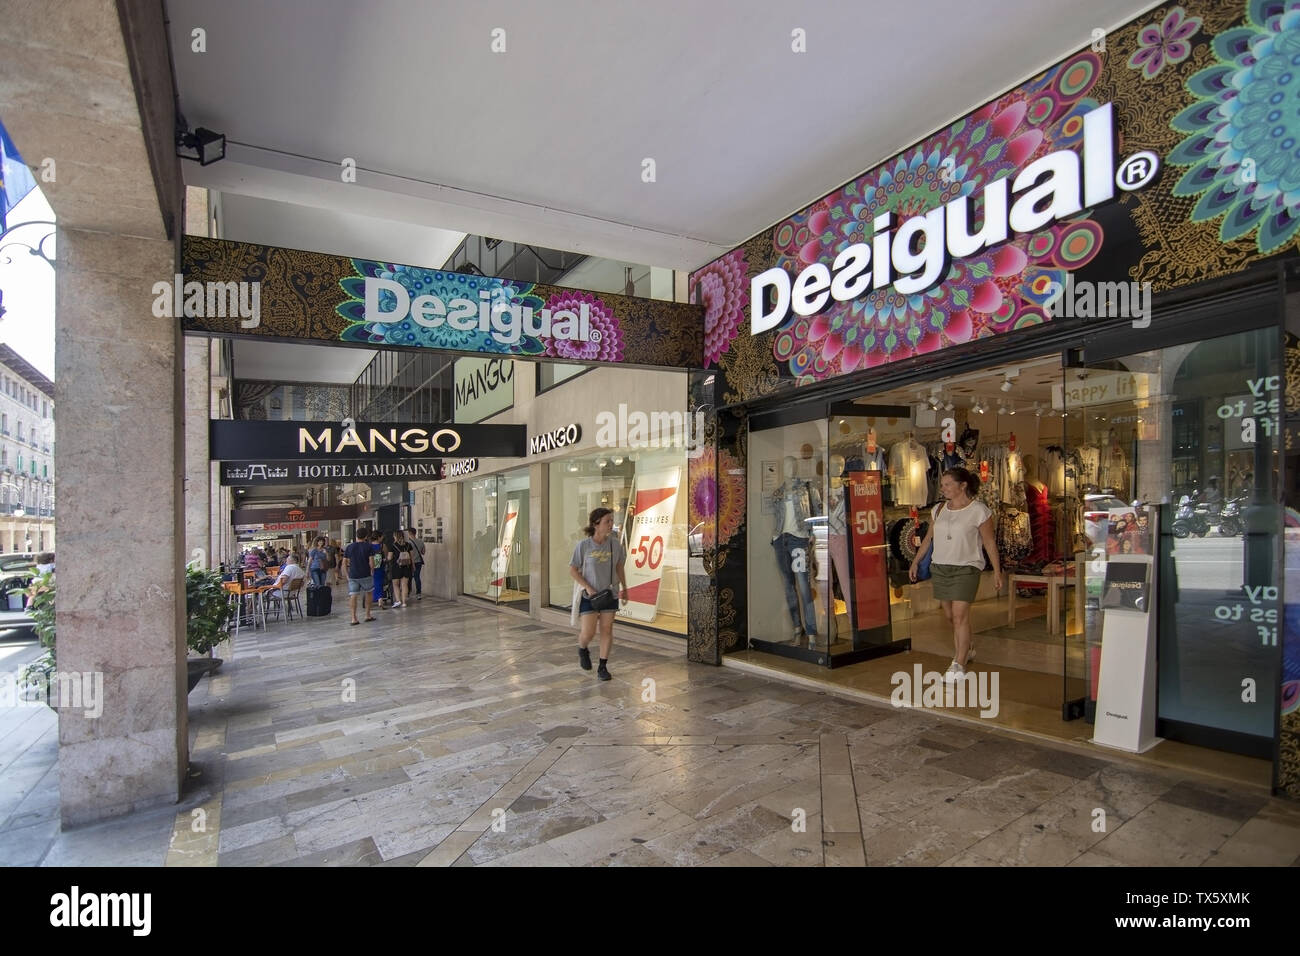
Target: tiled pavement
{"type": "Point", "coordinates": [451, 734]}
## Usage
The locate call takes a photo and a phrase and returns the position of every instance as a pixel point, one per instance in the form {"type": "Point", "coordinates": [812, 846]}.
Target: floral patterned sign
{"type": "Point", "coordinates": [318, 297]}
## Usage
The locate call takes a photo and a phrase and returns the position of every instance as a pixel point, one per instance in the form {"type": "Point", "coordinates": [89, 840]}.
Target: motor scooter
{"type": "Point", "coordinates": [1230, 518]}
{"type": "Point", "coordinates": [1194, 517]}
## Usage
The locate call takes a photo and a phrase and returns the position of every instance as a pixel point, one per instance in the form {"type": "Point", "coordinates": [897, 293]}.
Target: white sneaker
{"type": "Point", "coordinates": [397, 604]}
{"type": "Point", "coordinates": [954, 673]}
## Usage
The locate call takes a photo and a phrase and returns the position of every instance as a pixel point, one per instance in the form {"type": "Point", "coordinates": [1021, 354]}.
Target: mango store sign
{"type": "Point", "coordinates": [916, 256]}
{"type": "Point", "coordinates": [483, 387]}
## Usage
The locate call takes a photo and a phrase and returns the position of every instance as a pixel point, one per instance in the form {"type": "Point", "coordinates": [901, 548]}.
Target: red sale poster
{"type": "Point", "coordinates": [870, 569]}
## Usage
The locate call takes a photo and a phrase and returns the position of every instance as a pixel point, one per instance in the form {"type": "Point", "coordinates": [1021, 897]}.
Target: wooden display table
{"type": "Point", "coordinates": [1055, 583]}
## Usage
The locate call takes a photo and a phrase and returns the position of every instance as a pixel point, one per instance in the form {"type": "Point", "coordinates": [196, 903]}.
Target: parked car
{"type": "Point", "coordinates": [17, 562]}
{"type": "Point", "coordinates": [14, 615]}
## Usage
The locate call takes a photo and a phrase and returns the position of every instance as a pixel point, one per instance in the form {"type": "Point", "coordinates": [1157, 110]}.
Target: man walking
{"type": "Point", "coordinates": [419, 561]}
{"type": "Point", "coordinates": [356, 559]}
{"type": "Point", "coordinates": [377, 549]}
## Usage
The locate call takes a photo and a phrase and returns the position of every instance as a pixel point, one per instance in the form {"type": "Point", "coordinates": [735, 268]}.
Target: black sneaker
{"type": "Point", "coordinates": [584, 658]}
{"type": "Point", "coordinates": [603, 672]}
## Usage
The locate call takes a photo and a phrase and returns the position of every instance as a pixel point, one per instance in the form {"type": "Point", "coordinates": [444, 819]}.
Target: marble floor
{"type": "Point", "coordinates": [449, 734]}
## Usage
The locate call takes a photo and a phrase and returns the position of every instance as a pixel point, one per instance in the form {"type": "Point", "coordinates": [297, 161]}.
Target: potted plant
{"type": "Point", "coordinates": [207, 613]}
{"type": "Point", "coordinates": [205, 627]}
{"type": "Point", "coordinates": [40, 602]}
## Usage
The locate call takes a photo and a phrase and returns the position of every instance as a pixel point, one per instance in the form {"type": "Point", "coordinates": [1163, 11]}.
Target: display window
{"type": "Point", "coordinates": [1127, 486]}
{"type": "Point", "coordinates": [1192, 434]}
{"type": "Point", "coordinates": [495, 538]}
{"type": "Point", "coordinates": [646, 489]}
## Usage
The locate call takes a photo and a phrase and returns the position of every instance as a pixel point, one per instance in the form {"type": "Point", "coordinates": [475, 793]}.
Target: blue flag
{"type": "Point", "coordinates": [16, 179]}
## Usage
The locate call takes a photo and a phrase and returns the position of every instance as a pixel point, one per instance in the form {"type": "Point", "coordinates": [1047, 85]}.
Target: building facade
{"type": "Point", "coordinates": [26, 456]}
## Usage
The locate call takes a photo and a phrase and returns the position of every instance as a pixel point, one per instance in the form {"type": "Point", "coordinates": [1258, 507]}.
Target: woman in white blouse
{"type": "Point", "coordinates": [959, 525]}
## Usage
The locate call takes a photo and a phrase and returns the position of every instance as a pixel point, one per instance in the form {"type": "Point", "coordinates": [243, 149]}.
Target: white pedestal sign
{"type": "Point", "coordinates": [1126, 689]}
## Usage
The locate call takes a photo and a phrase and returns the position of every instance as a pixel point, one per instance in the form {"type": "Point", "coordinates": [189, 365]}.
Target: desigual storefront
{"type": "Point", "coordinates": [1085, 293]}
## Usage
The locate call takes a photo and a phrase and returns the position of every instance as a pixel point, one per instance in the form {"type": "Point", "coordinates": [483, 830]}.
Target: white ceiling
{"type": "Point", "coordinates": [333, 231]}
{"type": "Point", "coordinates": [544, 143]}
{"type": "Point", "coordinates": [283, 362]}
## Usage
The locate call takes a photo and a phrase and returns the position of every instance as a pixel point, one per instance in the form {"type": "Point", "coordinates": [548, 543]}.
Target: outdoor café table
{"type": "Point", "coordinates": [243, 592]}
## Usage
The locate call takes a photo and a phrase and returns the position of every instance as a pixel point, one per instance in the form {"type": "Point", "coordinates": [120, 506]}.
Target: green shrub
{"type": "Point", "coordinates": [206, 606]}
{"type": "Point", "coordinates": [40, 601]}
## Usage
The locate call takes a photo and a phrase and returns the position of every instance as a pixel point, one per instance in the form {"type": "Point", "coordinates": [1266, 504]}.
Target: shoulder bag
{"type": "Point", "coordinates": [607, 599]}
{"type": "Point", "coordinates": [923, 567]}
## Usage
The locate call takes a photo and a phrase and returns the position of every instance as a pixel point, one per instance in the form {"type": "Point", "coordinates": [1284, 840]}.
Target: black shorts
{"type": "Point", "coordinates": [400, 572]}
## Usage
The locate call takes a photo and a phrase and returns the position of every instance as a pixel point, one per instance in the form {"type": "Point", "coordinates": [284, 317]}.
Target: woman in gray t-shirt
{"type": "Point", "coordinates": [597, 563]}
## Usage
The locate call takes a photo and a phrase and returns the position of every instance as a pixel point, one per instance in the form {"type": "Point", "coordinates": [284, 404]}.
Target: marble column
{"type": "Point", "coordinates": [121, 595]}
{"type": "Point", "coordinates": [198, 504]}
{"type": "Point", "coordinates": [539, 577]}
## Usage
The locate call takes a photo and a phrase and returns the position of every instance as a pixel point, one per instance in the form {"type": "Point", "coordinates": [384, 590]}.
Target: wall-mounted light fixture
{"type": "Point", "coordinates": [201, 145]}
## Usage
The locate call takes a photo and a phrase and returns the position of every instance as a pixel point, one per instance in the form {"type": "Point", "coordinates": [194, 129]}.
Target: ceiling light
{"type": "Point", "coordinates": [618, 459]}
{"type": "Point", "coordinates": [1011, 410]}
{"type": "Point", "coordinates": [947, 406]}
{"type": "Point", "coordinates": [1006, 384]}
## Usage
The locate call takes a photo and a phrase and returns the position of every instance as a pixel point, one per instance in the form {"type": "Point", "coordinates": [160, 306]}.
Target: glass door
{"type": "Point", "coordinates": [1191, 432]}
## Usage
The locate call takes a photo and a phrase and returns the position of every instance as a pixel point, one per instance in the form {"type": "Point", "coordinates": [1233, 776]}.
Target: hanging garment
{"type": "Point", "coordinates": [1040, 523]}
{"type": "Point", "coordinates": [1012, 476]}
{"type": "Point", "coordinates": [1089, 462]}
{"type": "Point", "coordinates": [1113, 471]}
{"type": "Point", "coordinates": [909, 468]}
{"type": "Point", "coordinates": [1014, 535]}
{"type": "Point", "coordinates": [859, 459]}
{"type": "Point", "coordinates": [1054, 462]}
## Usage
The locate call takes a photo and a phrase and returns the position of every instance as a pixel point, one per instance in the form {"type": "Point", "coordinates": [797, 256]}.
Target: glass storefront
{"type": "Point", "coordinates": [646, 490]}
{"type": "Point", "coordinates": [1194, 433]}
{"type": "Point", "coordinates": [1170, 454]}
{"type": "Point", "coordinates": [495, 538]}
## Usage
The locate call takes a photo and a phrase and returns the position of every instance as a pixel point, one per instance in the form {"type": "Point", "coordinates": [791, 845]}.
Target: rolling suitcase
{"type": "Point", "coordinates": [319, 601]}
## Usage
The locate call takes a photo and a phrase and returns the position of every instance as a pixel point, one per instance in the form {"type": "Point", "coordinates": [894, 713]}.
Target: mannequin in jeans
{"type": "Point", "coordinates": [794, 502]}
{"type": "Point", "coordinates": [837, 531]}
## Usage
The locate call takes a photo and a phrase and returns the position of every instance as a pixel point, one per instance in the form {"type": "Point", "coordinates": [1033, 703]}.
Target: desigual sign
{"type": "Point", "coordinates": [320, 441]}
{"type": "Point", "coordinates": [916, 256]}
{"type": "Point", "coordinates": [365, 303]}
{"type": "Point", "coordinates": [490, 313]}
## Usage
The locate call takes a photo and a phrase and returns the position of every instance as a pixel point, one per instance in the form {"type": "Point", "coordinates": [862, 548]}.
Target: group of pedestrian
{"type": "Point", "coordinates": [373, 563]}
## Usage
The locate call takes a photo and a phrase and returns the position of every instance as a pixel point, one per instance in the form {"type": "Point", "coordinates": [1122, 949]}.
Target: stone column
{"type": "Point", "coordinates": [121, 597]}
{"type": "Point", "coordinates": [198, 504]}
{"type": "Point", "coordinates": [539, 577]}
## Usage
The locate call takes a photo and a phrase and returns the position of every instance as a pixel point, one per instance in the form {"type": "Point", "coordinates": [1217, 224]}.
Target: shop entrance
{"type": "Point", "coordinates": [863, 481]}
{"type": "Point", "coordinates": [1088, 459]}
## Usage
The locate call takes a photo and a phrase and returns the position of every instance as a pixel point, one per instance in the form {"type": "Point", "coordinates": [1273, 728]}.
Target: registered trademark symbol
{"type": "Point", "coordinates": [595, 335]}
{"type": "Point", "coordinates": [1136, 171]}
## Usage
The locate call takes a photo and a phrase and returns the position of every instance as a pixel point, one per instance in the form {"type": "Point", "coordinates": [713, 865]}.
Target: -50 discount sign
{"type": "Point", "coordinates": [649, 524]}
{"type": "Point", "coordinates": [870, 572]}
